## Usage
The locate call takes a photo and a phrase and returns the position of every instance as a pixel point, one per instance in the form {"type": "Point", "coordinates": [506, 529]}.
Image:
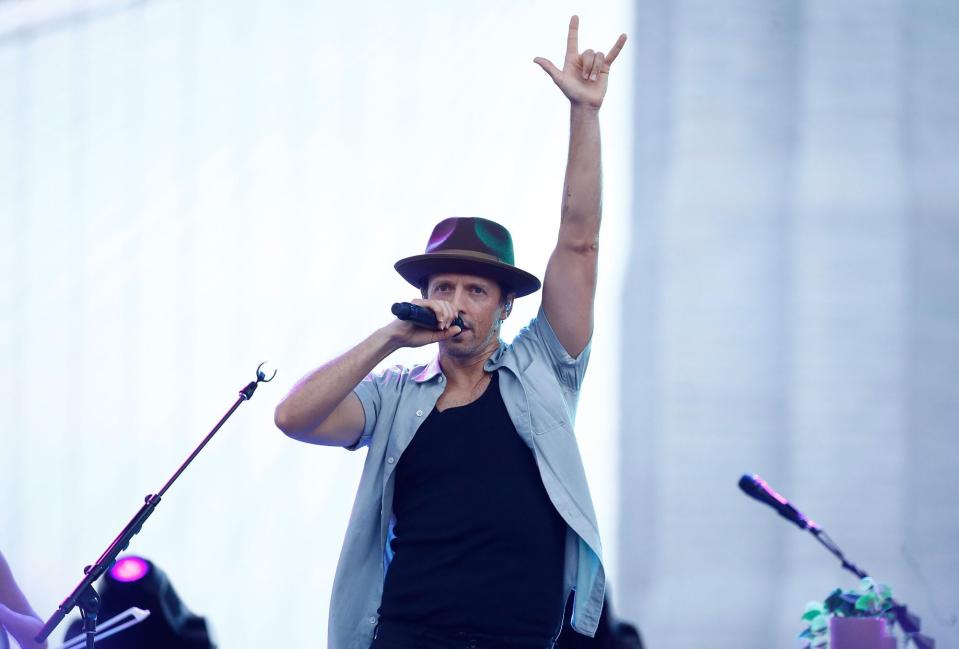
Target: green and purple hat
{"type": "Point", "coordinates": [469, 245]}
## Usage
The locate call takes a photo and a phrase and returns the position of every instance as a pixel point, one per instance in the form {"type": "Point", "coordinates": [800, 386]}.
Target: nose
{"type": "Point", "coordinates": [458, 300]}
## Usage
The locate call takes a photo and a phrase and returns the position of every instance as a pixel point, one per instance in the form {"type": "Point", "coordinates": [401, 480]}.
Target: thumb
{"type": "Point", "coordinates": [452, 332]}
{"type": "Point", "coordinates": [550, 69]}
{"type": "Point", "coordinates": [439, 335]}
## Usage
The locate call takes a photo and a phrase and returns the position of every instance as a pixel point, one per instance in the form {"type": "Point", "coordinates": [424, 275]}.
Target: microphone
{"type": "Point", "coordinates": [756, 487]}
{"type": "Point", "coordinates": [420, 316]}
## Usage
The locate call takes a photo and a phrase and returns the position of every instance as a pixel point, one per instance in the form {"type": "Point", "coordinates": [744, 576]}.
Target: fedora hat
{"type": "Point", "coordinates": [469, 245]}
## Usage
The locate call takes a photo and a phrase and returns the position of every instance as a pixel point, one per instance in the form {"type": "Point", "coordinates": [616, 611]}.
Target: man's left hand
{"type": "Point", "coordinates": [584, 75]}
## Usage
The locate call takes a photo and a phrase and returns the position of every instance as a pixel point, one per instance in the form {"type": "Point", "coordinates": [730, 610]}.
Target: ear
{"type": "Point", "coordinates": [508, 304]}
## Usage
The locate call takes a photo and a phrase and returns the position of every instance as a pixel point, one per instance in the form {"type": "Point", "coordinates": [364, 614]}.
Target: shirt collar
{"type": "Point", "coordinates": [429, 371]}
{"type": "Point", "coordinates": [496, 360]}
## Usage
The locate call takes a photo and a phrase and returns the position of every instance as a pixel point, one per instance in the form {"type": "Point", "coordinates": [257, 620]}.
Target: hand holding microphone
{"type": "Point", "coordinates": [421, 316]}
{"type": "Point", "coordinates": [421, 322]}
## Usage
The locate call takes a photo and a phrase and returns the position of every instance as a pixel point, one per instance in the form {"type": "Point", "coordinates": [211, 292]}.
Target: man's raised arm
{"type": "Point", "coordinates": [570, 282]}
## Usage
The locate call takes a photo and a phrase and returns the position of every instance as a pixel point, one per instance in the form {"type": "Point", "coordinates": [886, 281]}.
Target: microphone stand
{"type": "Point", "coordinates": [84, 596]}
{"type": "Point", "coordinates": [830, 545]}
{"type": "Point", "coordinates": [909, 622]}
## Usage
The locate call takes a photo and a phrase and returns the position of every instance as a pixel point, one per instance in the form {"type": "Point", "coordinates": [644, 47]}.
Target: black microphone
{"type": "Point", "coordinates": [755, 487]}
{"type": "Point", "coordinates": [420, 315]}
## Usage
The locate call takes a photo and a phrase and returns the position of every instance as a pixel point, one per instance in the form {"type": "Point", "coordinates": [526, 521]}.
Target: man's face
{"type": "Point", "coordinates": [480, 303]}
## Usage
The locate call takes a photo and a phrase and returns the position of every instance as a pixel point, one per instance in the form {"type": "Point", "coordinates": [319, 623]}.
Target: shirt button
{"type": "Point", "coordinates": [372, 620]}
{"type": "Point", "coordinates": [419, 413]}
{"type": "Point", "coordinates": [391, 459]}
{"type": "Point", "coordinates": [442, 378]}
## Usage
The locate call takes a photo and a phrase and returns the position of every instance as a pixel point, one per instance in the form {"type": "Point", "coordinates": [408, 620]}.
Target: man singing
{"type": "Point", "coordinates": [473, 520]}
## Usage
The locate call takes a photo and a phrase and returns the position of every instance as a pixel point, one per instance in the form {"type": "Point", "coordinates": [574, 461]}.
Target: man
{"type": "Point", "coordinates": [473, 522]}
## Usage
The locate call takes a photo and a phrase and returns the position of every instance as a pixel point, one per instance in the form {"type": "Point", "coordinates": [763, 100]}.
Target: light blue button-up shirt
{"type": "Point", "coordinates": [540, 384]}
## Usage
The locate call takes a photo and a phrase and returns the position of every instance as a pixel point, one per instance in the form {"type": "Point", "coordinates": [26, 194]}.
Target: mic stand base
{"type": "Point", "coordinates": [908, 622]}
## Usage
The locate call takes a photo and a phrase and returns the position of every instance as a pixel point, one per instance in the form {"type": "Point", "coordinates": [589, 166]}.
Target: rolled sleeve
{"type": "Point", "coordinates": [369, 396]}
{"type": "Point", "coordinates": [570, 371]}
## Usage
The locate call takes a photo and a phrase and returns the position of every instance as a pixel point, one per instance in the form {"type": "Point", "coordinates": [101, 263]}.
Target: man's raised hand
{"type": "Point", "coordinates": [584, 75]}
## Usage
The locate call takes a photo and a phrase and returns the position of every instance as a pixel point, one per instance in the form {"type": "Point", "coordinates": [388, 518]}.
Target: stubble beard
{"type": "Point", "coordinates": [457, 351]}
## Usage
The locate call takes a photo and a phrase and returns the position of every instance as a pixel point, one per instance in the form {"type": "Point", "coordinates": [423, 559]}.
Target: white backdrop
{"type": "Point", "coordinates": [792, 311]}
{"type": "Point", "coordinates": [189, 188]}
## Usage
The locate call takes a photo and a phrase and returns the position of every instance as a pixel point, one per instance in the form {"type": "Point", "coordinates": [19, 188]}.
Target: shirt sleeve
{"type": "Point", "coordinates": [378, 394]}
{"type": "Point", "coordinates": [540, 336]}
{"type": "Point", "coordinates": [369, 395]}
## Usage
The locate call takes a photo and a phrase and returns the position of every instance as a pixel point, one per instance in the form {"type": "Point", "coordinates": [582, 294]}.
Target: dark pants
{"type": "Point", "coordinates": [402, 636]}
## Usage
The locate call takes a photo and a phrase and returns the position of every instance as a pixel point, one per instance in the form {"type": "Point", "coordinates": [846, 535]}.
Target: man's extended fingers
{"type": "Point", "coordinates": [616, 49]}
{"type": "Point", "coordinates": [572, 40]}
{"type": "Point", "coordinates": [548, 66]}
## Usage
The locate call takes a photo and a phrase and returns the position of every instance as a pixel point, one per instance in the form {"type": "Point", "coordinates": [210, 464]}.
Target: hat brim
{"type": "Point", "coordinates": [416, 269]}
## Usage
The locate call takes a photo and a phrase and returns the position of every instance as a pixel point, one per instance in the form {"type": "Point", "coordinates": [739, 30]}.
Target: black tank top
{"type": "Point", "coordinates": [478, 545]}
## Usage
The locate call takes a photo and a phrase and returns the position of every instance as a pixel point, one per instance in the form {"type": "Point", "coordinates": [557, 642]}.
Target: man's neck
{"type": "Point", "coordinates": [465, 371]}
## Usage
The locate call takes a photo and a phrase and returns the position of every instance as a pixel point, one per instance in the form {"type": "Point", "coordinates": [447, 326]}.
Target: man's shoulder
{"type": "Point", "coordinates": [538, 342]}
{"type": "Point", "coordinates": [536, 337]}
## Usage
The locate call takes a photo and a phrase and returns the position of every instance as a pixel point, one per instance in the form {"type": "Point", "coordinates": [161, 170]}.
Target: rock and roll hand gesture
{"type": "Point", "coordinates": [584, 75]}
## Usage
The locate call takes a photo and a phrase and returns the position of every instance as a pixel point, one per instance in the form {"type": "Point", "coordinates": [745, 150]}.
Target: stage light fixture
{"type": "Point", "coordinates": [136, 582]}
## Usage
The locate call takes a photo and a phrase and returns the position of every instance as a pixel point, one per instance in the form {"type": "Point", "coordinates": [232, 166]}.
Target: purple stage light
{"type": "Point", "coordinates": [129, 569]}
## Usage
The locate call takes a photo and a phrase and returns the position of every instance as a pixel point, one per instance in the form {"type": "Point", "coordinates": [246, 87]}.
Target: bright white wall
{"type": "Point", "coordinates": [189, 188]}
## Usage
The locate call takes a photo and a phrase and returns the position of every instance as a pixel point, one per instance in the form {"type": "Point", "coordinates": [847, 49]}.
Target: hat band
{"type": "Point", "coordinates": [473, 254]}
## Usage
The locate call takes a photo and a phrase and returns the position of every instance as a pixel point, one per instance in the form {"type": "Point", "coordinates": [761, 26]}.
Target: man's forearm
{"type": "Point", "coordinates": [318, 394]}
{"type": "Point", "coordinates": [582, 191]}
